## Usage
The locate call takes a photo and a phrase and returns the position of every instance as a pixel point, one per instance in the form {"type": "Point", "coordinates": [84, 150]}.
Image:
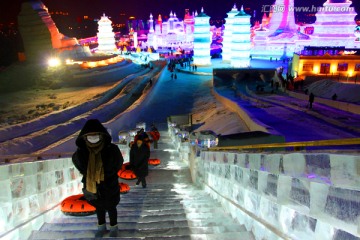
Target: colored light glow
{"type": "Point", "coordinates": [350, 72]}
{"type": "Point", "coordinates": [54, 62]}
{"type": "Point", "coordinates": [333, 68]}
{"type": "Point", "coordinates": [316, 69]}
{"type": "Point", "coordinates": [92, 64]}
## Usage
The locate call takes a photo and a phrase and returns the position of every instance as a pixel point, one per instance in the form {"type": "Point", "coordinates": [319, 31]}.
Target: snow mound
{"type": "Point", "coordinates": [327, 88]}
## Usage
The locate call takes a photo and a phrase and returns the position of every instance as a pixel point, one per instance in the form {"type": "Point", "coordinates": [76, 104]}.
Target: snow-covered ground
{"type": "Point", "coordinates": [191, 93]}
{"type": "Point", "coordinates": [346, 92]}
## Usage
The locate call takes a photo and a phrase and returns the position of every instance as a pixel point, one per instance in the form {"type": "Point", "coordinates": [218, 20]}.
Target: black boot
{"type": "Point", "coordinates": [101, 231]}
{"type": "Point", "coordinates": [114, 232]}
{"type": "Point", "coordinates": [144, 183]}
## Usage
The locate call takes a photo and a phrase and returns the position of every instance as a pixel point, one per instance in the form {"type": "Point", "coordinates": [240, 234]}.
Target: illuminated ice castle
{"type": "Point", "coordinates": [171, 33]}
{"type": "Point", "coordinates": [279, 37]}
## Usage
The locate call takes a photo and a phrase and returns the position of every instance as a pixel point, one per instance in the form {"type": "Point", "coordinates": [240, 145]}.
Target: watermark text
{"type": "Point", "coordinates": [284, 8]}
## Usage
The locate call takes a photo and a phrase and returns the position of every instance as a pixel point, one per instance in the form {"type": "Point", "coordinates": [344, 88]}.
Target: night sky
{"type": "Point", "coordinates": [141, 9]}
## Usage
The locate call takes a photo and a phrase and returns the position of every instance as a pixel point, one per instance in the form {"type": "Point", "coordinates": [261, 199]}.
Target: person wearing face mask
{"type": "Point", "coordinates": [99, 161]}
{"type": "Point", "coordinates": [139, 157]}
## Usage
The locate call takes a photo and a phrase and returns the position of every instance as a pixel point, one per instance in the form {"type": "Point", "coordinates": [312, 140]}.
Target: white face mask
{"type": "Point", "coordinates": [93, 138]}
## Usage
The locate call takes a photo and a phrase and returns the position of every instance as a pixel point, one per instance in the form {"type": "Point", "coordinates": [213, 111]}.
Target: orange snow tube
{"type": "Point", "coordinates": [124, 188]}
{"type": "Point", "coordinates": [154, 161]}
{"type": "Point", "coordinates": [126, 173]}
{"type": "Point", "coordinates": [77, 205]}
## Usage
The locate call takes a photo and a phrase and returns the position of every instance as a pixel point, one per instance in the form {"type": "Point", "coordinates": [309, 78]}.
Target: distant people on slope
{"type": "Point", "coordinates": [311, 100]}
{"type": "Point", "coordinates": [334, 97]}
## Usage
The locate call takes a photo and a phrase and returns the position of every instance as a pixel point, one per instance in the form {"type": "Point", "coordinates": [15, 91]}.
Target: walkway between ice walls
{"type": "Point", "coordinates": [312, 196]}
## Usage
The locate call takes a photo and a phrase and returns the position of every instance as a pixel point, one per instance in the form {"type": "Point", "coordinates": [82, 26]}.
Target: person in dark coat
{"type": "Point", "coordinates": [144, 137]}
{"type": "Point", "coordinates": [99, 161]}
{"type": "Point", "coordinates": [311, 100]}
{"type": "Point", "coordinates": [139, 157]}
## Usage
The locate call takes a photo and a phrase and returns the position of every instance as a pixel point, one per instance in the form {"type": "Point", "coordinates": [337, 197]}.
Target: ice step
{"type": "Point", "coordinates": [134, 218]}
{"type": "Point", "coordinates": [143, 211]}
{"type": "Point", "coordinates": [160, 201]}
{"type": "Point", "coordinates": [224, 236]}
{"type": "Point", "coordinates": [142, 225]}
{"type": "Point", "coordinates": [146, 232]}
{"type": "Point", "coordinates": [122, 225]}
{"type": "Point", "coordinates": [123, 233]}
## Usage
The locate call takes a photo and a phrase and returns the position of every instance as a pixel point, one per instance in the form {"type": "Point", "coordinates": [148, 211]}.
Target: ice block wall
{"type": "Point", "coordinates": [299, 195]}
{"type": "Point", "coordinates": [125, 150]}
{"type": "Point", "coordinates": [312, 196]}
{"type": "Point", "coordinates": [28, 190]}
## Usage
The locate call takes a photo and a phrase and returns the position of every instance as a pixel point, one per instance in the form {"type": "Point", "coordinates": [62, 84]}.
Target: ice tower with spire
{"type": "Point", "coordinates": [241, 44]}
{"type": "Point", "coordinates": [227, 38]}
{"type": "Point", "coordinates": [105, 35]}
{"type": "Point", "coordinates": [202, 39]}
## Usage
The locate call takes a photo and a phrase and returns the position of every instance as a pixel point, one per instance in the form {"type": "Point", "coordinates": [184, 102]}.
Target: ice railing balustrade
{"type": "Point", "coordinates": [32, 191]}
{"type": "Point", "coordinates": [289, 195]}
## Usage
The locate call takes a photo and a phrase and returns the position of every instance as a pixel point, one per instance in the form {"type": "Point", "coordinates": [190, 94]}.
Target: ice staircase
{"type": "Point", "coordinates": [171, 207]}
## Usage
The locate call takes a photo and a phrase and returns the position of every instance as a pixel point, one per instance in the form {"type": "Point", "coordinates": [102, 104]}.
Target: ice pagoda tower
{"type": "Point", "coordinates": [106, 36]}
{"type": "Point", "coordinates": [202, 39]}
{"type": "Point", "coordinates": [241, 44]}
{"type": "Point", "coordinates": [227, 42]}
{"type": "Point", "coordinates": [335, 25]}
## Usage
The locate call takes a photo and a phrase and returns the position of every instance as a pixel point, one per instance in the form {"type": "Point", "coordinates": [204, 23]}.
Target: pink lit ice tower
{"type": "Point", "coordinates": [280, 38]}
{"type": "Point", "coordinates": [335, 24]}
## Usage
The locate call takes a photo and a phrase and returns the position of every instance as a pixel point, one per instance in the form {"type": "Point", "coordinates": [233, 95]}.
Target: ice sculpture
{"type": "Point", "coordinates": [227, 43]}
{"type": "Point", "coordinates": [280, 38]}
{"type": "Point", "coordinates": [42, 38]}
{"type": "Point", "coordinates": [106, 36]}
{"type": "Point", "coordinates": [172, 33]}
{"type": "Point", "coordinates": [202, 39]}
{"type": "Point", "coordinates": [335, 24]}
{"type": "Point", "coordinates": [240, 45]}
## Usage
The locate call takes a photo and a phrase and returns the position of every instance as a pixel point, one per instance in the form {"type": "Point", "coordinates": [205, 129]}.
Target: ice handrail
{"type": "Point", "coordinates": [32, 157]}
{"type": "Point", "coordinates": [295, 145]}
